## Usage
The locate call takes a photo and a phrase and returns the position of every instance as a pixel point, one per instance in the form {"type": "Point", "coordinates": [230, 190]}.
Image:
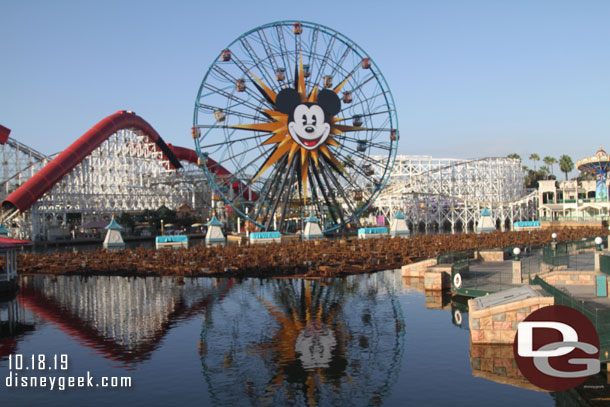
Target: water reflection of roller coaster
{"type": "Point", "coordinates": [449, 194]}
{"type": "Point", "coordinates": [122, 319]}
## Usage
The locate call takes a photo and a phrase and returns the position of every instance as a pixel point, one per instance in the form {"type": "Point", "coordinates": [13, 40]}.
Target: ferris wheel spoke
{"type": "Point", "coordinates": [364, 100]}
{"type": "Point", "coordinates": [284, 51]}
{"type": "Point", "coordinates": [325, 59]}
{"type": "Point", "coordinates": [368, 143]}
{"type": "Point", "coordinates": [332, 196]}
{"type": "Point", "coordinates": [212, 109]}
{"type": "Point", "coordinates": [313, 46]}
{"type": "Point", "coordinates": [230, 96]}
{"type": "Point", "coordinates": [271, 184]}
{"type": "Point", "coordinates": [314, 194]}
{"type": "Point", "coordinates": [232, 141]}
{"type": "Point", "coordinates": [280, 194]}
{"type": "Point", "coordinates": [325, 194]}
{"type": "Point", "coordinates": [359, 170]}
{"type": "Point", "coordinates": [254, 56]}
{"type": "Point", "coordinates": [342, 192]}
{"type": "Point", "coordinates": [233, 80]}
{"type": "Point", "coordinates": [370, 114]}
{"type": "Point", "coordinates": [358, 154]}
{"type": "Point", "coordinates": [265, 97]}
{"type": "Point", "coordinates": [364, 82]}
{"type": "Point", "coordinates": [249, 184]}
{"type": "Point", "coordinates": [232, 157]}
{"type": "Point", "coordinates": [268, 50]}
{"type": "Point", "coordinates": [288, 196]}
{"type": "Point", "coordinates": [341, 61]}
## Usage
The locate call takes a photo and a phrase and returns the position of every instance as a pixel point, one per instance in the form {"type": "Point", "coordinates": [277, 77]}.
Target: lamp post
{"type": "Point", "coordinates": [599, 242]}
{"type": "Point", "coordinates": [517, 267]}
{"type": "Point", "coordinates": [554, 236]}
{"type": "Point", "coordinates": [516, 252]}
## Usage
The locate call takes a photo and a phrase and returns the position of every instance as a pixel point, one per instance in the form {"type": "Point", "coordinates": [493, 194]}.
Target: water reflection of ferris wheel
{"type": "Point", "coordinates": [302, 342]}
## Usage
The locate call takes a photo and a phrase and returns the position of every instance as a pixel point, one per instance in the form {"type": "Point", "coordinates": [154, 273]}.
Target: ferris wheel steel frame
{"type": "Point", "coordinates": [265, 68]}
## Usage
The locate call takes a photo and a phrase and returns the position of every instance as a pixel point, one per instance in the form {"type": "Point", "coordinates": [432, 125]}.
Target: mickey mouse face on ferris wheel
{"type": "Point", "coordinates": [309, 124]}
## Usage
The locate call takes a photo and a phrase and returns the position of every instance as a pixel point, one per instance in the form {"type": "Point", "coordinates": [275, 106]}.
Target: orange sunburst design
{"type": "Point", "coordinates": [280, 135]}
{"type": "Point", "coordinates": [292, 323]}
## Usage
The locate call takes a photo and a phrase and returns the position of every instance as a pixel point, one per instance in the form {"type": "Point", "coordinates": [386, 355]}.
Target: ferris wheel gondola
{"type": "Point", "coordinates": [296, 111]}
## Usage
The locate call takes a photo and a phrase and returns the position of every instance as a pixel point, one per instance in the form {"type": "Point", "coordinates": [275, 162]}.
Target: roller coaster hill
{"type": "Point", "coordinates": [121, 165]}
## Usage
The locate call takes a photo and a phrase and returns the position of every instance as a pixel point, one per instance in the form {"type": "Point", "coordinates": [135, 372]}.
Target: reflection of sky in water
{"type": "Point", "coordinates": [371, 340]}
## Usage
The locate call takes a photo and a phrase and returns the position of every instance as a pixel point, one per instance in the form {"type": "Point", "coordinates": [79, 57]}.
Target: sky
{"type": "Point", "coordinates": [470, 78]}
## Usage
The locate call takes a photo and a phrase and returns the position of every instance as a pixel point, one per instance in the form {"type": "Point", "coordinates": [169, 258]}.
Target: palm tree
{"type": "Point", "coordinates": [514, 155]}
{"type": "Point", "coordinates": [534, 157]}
{"type": "Point", "coordinates": [550, 161]}
{"type": "Point", "coordinates": [566, 165]}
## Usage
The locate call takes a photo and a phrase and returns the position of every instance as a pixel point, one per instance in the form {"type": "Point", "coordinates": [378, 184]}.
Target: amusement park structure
{"type": "Point", "coordinates": [120, 165]}
{"type": "Point", "coordinates": [292, 119]}
{"type": "Point", "coordinates": [450, 194]}
{"type": "Point", "coordinates": [578, 201]}
{"type": "Point", "coordinates": [289, 108]}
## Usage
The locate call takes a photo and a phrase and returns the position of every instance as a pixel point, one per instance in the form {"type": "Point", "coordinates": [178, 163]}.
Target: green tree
{"type": "Point", "coordinates": [166, 215]}
{"type": "Point", "coordinates": [566, 165]}
{"type": "Point", "coordinates": [585, 176]}
{"type": "Point", "coordinates": [514, 155]}
{"type": "Point", "coordinates": [534, 157]}
{"type": "Point", "coordinates": [126, 221]}
{"type": "Point", "coordinates": [532, 178]}
{"type": "Point", "coordinates": [550, 161]}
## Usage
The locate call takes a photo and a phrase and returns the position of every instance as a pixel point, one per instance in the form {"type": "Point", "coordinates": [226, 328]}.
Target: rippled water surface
{"type": "Point", "coordinates": [364, 340]}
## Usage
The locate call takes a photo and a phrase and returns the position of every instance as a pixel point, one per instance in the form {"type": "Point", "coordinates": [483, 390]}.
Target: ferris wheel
{"type": "Point", "coordinates": [287, 121]}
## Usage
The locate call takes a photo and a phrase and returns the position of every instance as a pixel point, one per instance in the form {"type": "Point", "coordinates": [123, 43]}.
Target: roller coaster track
{"type": "Point", "coordinates": [396, 188]}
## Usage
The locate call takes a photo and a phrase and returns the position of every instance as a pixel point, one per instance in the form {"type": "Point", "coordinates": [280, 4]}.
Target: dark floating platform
{"type": "Point", "coordinates": [327, 258]}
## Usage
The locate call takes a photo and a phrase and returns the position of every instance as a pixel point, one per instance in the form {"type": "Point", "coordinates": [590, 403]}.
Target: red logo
{"type": "Point", "coordinates": [556, 348]}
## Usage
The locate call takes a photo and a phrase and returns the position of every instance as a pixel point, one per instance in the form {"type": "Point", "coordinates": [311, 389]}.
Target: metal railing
{"type": "Point", "coordinates": [600, 318]}
{"type": "Point", "coordinates": [452, 257]}
{"type": "Point", "coordinates": [469, 284]}
{"type": "Point", "coordinates": [604, 264]}
{"type": "Point", "coordinates": [574, 218]}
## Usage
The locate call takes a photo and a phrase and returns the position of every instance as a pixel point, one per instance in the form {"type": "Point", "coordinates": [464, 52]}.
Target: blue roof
{"type": "Point", "coordinates": [113, 225]}
{"type": "Point", "coordinates": [312, 219]}
{"type": "Point", "coordinates": [214, 222]}
{"type": "Point", "coordinates": [486, 212]}
{"type": "Point", "coordinates": [399, 215]}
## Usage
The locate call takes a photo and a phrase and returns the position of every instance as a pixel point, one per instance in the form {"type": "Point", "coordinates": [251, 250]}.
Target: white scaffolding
{"type": "Point", "coordinates": [449, 194]}
{"type": "Point", "coordinates": [126, 173]}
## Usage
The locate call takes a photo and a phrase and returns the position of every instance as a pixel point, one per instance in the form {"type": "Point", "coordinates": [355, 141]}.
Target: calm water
{"type": "Point", "coordinates": [364, 340]}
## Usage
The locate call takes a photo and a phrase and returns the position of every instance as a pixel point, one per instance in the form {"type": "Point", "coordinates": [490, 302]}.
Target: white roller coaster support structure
{"type": "Point", "coordinates": [19, 163]}
{"type": "Point", "coordinates": [449, 194]}
{"type": "Point", "coordinates": [126, 173]}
